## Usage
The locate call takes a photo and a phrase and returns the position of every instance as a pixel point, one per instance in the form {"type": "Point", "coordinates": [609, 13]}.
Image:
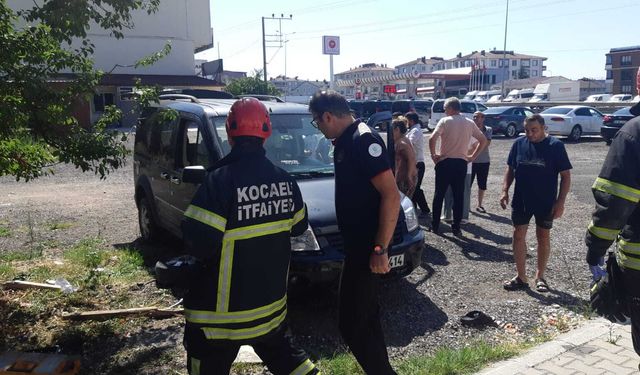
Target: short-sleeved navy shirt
{"type": "Point", "coordinates": [536, 167]}
{"type": "Point", "coordinates": [359, 155]}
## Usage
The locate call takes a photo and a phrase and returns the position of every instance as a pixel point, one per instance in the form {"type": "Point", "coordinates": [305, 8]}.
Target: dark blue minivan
{"type": "Point", "coordinates": [194, 137]}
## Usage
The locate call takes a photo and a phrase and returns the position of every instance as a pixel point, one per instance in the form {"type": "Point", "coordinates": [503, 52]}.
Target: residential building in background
{"type": "Point", "coordinates": [621, 66]}
{"type": "Point", "coordinates": [185, 24]}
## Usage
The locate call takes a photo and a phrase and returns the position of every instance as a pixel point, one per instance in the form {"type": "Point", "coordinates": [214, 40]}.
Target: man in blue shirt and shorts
{"type": "Point", "coordinates": [535, 162]}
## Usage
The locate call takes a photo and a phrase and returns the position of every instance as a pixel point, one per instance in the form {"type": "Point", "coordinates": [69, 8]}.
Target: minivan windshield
{"type": "Point", "coordinates": [294, 145]}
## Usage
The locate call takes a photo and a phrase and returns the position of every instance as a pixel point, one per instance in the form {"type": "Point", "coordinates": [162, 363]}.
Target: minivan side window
{"type": "Point", "coordinates": [160, 137]}
{"type": "Point", "coordinates": [193, 150]}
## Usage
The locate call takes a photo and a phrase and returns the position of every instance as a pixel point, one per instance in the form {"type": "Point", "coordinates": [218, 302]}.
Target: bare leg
{"type": "Point", "coordinates": [544, 248]}
{"type": "Point", "coordinates": [480, 197]}
{"type": "Point", "coordinates": [520, 250]}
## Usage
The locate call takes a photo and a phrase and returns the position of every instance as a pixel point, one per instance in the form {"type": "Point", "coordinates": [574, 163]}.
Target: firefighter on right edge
{"type": "Point", "coordinates": [617, 218]}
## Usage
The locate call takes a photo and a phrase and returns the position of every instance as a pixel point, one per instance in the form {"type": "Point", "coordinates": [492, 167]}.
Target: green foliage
{"type": "Point", "coordinates": [37, 127]}
{"type": "Point", "coordinates": [4, 230]}
{"type": "Point", "coordinates": [252, 85]}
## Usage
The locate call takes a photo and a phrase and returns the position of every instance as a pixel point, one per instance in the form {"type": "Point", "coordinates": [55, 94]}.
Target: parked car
{"type": "Point", "coordinates": [621, 98]}
{"type": "Point", "coordinates": [420, 106]}
{"type": "Point", "coordinates": [470, 95]}
{"type": "Point", "coordinates": [572, 121]}
{"type": "Point", "coordinates": [495, 99]}
{"type": "Point", "coordinates": [613, 122]}
{"type": "Point", "coordinates": [171, 154]}
{"type": "Point", "coordinates": [597, 98]}
{"type": "Point", "coordinates": [519, 96]}
{"type": "Point", "coordinates": [484, 96]}
{"type": "Point", "coordinates": [506, 120]}
{"type": "Point", "coordinates": [467, 108]}
{"type": "Point", "coordinates": [357, 107]}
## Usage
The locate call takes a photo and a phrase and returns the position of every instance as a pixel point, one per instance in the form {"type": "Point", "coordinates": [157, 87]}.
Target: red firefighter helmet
{"type": "Point", "coordinates": [248, 117]}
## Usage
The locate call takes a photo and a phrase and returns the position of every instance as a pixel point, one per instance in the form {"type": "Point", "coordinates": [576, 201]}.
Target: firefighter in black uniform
{"type": "Point", "coordinates": [239, 225]}
{"type": "Point", "coordinates": [367, 207]}
{"type": "Point", "coordinates": [617, 216]}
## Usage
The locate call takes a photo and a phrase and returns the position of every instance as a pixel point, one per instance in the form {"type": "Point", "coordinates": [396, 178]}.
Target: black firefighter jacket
{"type": "Point", "coordinates": [239, 223]}
{"type": "Point", "coordinates": [617, 193]}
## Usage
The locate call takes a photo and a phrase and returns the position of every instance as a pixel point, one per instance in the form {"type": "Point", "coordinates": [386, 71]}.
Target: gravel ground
{"type": "Point", "coordinates": [420, 312]}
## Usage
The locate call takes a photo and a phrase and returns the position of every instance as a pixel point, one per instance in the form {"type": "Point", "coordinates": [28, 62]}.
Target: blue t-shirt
{"type": "Point", "coordinates": [536, 167]}
{"type": "Point", "coordinates": [359, 155]}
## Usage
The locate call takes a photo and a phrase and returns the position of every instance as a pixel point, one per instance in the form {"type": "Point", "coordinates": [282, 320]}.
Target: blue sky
{"type": "Point", "coordinates": [573, 34]}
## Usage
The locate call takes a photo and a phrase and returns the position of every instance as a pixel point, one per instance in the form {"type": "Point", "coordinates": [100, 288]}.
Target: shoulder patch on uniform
{"type": "Point", "coordinates": [375, 150]}
{"type": "Point", "coordinates": [363, 128]}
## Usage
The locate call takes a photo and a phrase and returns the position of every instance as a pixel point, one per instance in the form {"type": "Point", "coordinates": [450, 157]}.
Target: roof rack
{"type": "Point", "coordinates": [178, 96]}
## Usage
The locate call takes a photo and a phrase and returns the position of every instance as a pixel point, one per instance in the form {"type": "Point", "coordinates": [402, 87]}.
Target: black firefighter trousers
{"type": "Point", "coordinates": [359, 318]}
{"type": "Point", "coordinates": [207, 357]}
{"type": "Point", "coordinates": [631, 279]}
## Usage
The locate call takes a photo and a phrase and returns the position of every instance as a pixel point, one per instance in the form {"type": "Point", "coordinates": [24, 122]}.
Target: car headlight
{"type": "Point", "coordinates": [410, 217]}
{"type": "Point", "coordinates": [305, 242]}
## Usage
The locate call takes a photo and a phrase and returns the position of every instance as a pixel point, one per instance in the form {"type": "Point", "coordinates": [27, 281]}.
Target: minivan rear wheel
{"type": "Point", "coordinates": [149, 229]}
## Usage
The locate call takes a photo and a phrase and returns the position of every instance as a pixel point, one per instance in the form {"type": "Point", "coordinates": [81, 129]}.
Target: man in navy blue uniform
{"type": "Point", "coordinates": [239, 225]}
{"type": "Point", "coordinates": [367, 207]}
{"type": "Point", "coordinates": [535, 162]}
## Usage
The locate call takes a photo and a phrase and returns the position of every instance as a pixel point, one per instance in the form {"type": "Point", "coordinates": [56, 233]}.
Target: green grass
{"type": "Point", "coordinates": [444, 362]}
{"type": "Point", "coordinates": [88, 253]}
{"type": "Point", "coordinates": [15, 256]}
{"type": "Point", "coordinates": [7, 272]}
{"type": "Point", "coordinates": [4, 231]}
{"type": "Point", "coordinates": [56, 225]}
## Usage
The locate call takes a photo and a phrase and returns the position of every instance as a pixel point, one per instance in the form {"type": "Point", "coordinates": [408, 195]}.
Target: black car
{"type": "Point", "coordinates": [613, 122]}
{"type": "Point", "coordinates": [506, 120]}
{"type": "Point", "coordinates": [184, 135]}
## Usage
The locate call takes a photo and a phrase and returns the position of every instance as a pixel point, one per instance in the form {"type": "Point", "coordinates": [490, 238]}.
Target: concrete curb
{"type": "Point", "coordinates": [561, 344]}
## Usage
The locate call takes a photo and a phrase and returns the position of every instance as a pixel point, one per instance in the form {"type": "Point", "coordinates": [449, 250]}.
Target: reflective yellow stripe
{"type": "Point", "coordinates": [206, 217]}
{"type": "Point", "coordinates": [214, 317]}
{"type": "Point", "coordinates": [244, 333]}
{"type": "Point", "coordinates": [258, 230]}
{"type": "Point", "coordinates": [195, 366]}
{"type": "Point", "coordinates": [626, 261]}
{"type": "Point", "coordinates": [226, 257]}
{"type": "Point", "coordinates": [298, 216]}
{"type": "Point", "coordinates": [604, 233]}
{"type": "Point", "coordinates": [629, 247]}
{"type": "Point", "coordinates": [224, 275]}
{"type": "Point", "coordinates": [303, 369]}
{"type": "Point", "coordinates": [619, 190]}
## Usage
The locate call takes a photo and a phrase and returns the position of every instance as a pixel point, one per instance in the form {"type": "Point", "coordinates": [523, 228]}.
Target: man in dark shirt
{"type": "Point", "coordinates": [535, 162]}
{"type": "Point", "coordinates": [367, 207]}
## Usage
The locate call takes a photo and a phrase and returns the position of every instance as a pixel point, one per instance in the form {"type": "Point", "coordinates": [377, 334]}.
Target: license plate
{"type": "Point", "coordinates": [396, 261]}
{"type": "Point", "coordinates": [619, 122]}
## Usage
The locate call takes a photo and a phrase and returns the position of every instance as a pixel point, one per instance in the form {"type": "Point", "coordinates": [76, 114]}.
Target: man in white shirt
{"type": "Point", "coordinates": [455, 132]}
{"type": "Point", "coordinates": [417, 141]}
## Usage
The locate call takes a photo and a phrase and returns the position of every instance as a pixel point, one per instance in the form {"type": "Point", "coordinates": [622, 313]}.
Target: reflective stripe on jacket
{"type": "Point", "coordinates": [617, 193]}
{"type": "Point", "coordinates": [240, 222]}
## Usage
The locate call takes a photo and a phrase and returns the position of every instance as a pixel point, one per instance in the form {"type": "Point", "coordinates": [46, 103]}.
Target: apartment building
{"type": "Point", "coordinates": [621, 66]}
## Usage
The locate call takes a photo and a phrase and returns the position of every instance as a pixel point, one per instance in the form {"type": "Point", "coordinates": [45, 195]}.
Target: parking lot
{"type": "Point", "coordinates": [420, 312]}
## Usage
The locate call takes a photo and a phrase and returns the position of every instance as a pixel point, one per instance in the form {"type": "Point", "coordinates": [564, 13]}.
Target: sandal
{"type": "Point", "coordinates": [481, 209]}
{"type": "Point", "coordinates": [515, 284]}
{"type": "Point", "coordinates": [542, 286]}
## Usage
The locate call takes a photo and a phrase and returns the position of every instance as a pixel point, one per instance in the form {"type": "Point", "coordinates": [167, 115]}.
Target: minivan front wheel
{"type": "Point", "coordinates": [510, 131]}
{"type": "Point", "coordinates": [149, 229]}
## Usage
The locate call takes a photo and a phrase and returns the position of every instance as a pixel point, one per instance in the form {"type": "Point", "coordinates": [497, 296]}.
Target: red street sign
{"type": "Point", "coordinates": [389, 89]}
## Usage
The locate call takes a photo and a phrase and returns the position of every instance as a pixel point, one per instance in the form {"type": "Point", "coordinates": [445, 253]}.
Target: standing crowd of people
{"type": "Point", "coordinates": [220, 317]}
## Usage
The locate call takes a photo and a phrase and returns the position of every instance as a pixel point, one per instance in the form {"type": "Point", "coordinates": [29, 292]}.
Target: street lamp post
{"type": "Point", "coordinates": [504, 49]}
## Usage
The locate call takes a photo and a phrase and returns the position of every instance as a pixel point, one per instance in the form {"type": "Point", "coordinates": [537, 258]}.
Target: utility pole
{"type": "Point", "coordinates": [504, 49]}
{"type": "Point", "coordinates": [265, 41]}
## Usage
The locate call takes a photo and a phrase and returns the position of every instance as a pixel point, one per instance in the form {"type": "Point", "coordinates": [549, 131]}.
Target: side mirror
{"type": "Point", "coordinates": [193, 174]}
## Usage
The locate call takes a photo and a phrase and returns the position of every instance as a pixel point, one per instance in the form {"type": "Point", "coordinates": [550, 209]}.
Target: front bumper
{"type": "Point", "coordinates": [324, 266]}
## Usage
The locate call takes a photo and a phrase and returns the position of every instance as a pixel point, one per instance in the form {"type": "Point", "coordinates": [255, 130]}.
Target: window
{"type": "Point", "coordinates": [467, 107]}
{"type": "Point", "coordinates": [193, 150]}
{"type": "Point", "coordinates": [494, 63]}
{"type": "Point", "coordinates": [627, 75]}
{"type": "Point", "coordinates": [626, 89]}
{"type": "Point", "coordinates": [102, 100]}
{"type": "Point", "coordinates": [514, 74]}
{"type": "Point", "coordinates": [534, 73]}
{"type": "Point", "coordinates": [583, 112]}
{"type": "Point", "coordinates": [608, 60]}
{"type": "Point", "coordinates": [514, 62]}
{"type": "Point", "coordinates": [625, 60]}
{"type": "Point", "coordinates": [595, 113]}
{"type": "Point", "coordinates": [609, 74]}
{"type": "Point", "coordinates": [525, 62]}
{"type": "Point", "coordinates": [162, 124]}
{"type": "Point", "coordinates": [534, 62]}
{"type": "Point", "coordinates": [528, 112]}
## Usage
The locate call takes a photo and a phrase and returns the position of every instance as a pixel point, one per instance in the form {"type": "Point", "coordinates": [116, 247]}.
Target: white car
{"type": "Point", "coordinates": [598, 98]}
{"type": "Point", "coordinates": [495, 99]}
{"type": "Point", "coordinates": [572, 121]}
{"type": "Point", "coordinates": [467, 108]}
{"type": "Point", "coordinates": [621, 98]}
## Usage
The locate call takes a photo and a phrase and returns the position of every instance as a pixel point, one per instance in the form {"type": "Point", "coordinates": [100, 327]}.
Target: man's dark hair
{"type": "Point", "coordinates": [396, 114]}
{"type": "Point", "coordinates": [535, 118]}
{"type": "Point", "coordinates": [329, 101]}
{"type": "Point", "coordinates": [412, 116]}
{"type": "Point", "coordinates": [401, 124]}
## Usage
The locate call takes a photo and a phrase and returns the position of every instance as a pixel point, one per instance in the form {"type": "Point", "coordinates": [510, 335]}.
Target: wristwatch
{"type": "Point", "coordinates": [379, 250]}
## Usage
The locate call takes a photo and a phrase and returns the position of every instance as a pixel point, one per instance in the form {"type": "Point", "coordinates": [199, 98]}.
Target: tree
{"type": "Point", "coordinates": [37, 127]}
{"type": "Point", "coordinates": [252, 85]}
